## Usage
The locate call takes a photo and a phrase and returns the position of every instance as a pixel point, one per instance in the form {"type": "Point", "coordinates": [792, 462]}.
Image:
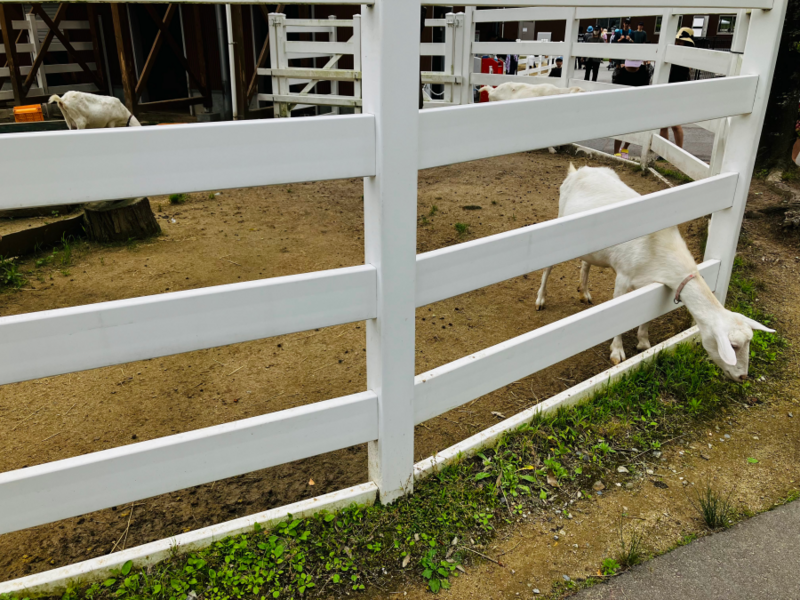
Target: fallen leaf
{"type": "Point", "coordinates": [460, 568]}
{"type": "Point", "coordinates": [310, 482]}
{"type": "Point", "coordinates": [406, 560]}
{"type": "Point", "coordinates": [497, 414]}
{"type": "Point", "coordinates": [551, 480]}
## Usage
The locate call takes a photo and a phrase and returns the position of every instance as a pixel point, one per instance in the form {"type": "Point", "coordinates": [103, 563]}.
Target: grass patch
{"type": "Point", "coordinates": [178, 198]}
{"type": "Point", "coordinates": [674, 173]}
{"type": "Point", "coordinates": [461, 228]}
{"type": "Point", "coordinates": [716, 510]}
{"type": "Point", "coordinates": [453, 515]}
{"type": "Point", "coordinates": [10, 277]}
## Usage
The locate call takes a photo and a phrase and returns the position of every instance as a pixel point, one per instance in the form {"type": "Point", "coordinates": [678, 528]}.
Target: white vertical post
{"type": "Point", "coordinates": [390, 47]}
{"type": "Point", "coordinates": [568, 65]}
{"type": "Point", "coordinates": [449, 53]}
{"type": "Point", "coordinates": [277, 60]}
{"type": "Point", "coordinates": [761, 51]}
{"type": "Point", "coordinates": [33, 32]}
{"type": "Point", "coordinates": [466, 66]}
{"type": "Point", "coordinates": [357, 58]}
{"type": "Point", "coordinates": [333, 37]}
{"type": "Point", "coordinates": [457, 96]}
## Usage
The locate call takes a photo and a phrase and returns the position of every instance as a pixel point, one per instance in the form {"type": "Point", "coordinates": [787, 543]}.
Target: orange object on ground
{"type": "Point", "coordinates": [27, 114]}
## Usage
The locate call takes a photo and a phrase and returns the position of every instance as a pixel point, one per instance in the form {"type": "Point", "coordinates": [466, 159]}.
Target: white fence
{"type": "Point", "coordinates": [386, 145]}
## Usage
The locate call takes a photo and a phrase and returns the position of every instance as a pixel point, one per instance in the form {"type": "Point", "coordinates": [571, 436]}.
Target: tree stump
{"type": "Point", "coordinates": [120, 220]}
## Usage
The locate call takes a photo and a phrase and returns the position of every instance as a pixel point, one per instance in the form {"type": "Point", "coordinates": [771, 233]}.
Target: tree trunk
{"type": "Point", "coordinates": [778, 135]}
{"type": "Point", "coordinates": [120, 220]}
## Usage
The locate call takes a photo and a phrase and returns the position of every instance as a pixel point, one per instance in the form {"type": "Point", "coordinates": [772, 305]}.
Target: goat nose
{"type": "Point", "coordinates": [743, 377]}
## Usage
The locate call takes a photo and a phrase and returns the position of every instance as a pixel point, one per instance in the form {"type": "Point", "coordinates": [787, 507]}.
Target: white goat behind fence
{"type": "Point", "coordinates": [82, 110]}
{"type": "Point", "coordinates": [387, 145]}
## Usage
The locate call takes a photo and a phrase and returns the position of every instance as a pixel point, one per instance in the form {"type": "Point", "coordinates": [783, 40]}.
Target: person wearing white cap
{"type": "Point", "coordinates": [678, 74]}
{"type": "Point", "coordinates": [633, 74]}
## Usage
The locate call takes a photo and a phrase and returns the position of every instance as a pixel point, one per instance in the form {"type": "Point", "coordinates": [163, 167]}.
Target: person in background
{"type": "Point", "coordinates": [640, 35]}
{"type": "Point", "coordinates": [678, 74]}
{"type": "Point", "coordinates": [578, 59]}
{"type": "Point", "coordinates": [556, 71]}
{"type": "Point", "coordinates": [634, 74]}
{"type": "Point", "coordinates": [593, 64]}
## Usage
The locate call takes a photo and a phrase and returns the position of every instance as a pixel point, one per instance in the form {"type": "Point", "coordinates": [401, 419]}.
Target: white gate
{"type": "Point", "coordinates": [386, 145]}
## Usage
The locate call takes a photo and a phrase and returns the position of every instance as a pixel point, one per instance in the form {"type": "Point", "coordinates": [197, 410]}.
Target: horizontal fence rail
{"type": "Point", "coordinates": [452, 385]}
{"type": "Point", "coordinates": [475, 264]}
{"type": "Point", "coordinates": [76, 486]}
{"type": "Point", "coordinates": [481, 131]}
{"type": "Point", "coordinates": [144, 161]}
{"type": "Point", "coordinates": [701, 59]}
{"type": "Point", "coordinates": [64, 340]}
{"type": "Point", "coordinates": [634, 4]}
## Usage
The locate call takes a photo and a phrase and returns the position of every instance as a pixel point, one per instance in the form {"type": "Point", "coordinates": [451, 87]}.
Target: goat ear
{"type": "Point", "coordinates": [571, 169]}
{"type": "Point", "coordinates": [725, 348]}
{"type": "Point", "coordinates": [756, 325]}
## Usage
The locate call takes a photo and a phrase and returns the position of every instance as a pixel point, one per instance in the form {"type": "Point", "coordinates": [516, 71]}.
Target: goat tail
{"type": "Point", "coordinates": [487, 88]}
{"type": "Point", "coordinates": [55, 99]}
{"type": "Point", "coordinates": [572, 169]}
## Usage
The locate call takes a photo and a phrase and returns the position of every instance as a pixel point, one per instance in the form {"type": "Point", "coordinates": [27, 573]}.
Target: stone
{"type": "Point", "coordinates": [727, 436]}
{"type": "Point", "coordinates": [657, 454]}
{"type": "Point", "coordinates": [598, 486]}
{"type": "Point", "coordinates": [622, 470]}
{"type": "Point", "coordinates": [536, 591]}
{"type": "Point", "coordinates": [566, 578]}
{"type": "Point", "coordinates": [629, 486]}
{"type": "Point", "coordinates": [649, 471]}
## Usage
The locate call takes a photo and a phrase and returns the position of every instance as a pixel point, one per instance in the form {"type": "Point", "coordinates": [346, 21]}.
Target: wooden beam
{"type": "Point", "coordinates": [154, 50]}
{"type": "Point", "coordinates": [237, 76]}
{"type": "Point", "coordinates": [125, 53]}
{"type": "Point", "coordinates": [11, 53]}
{"type": "Point", "coordinates": [202, 64]}
{"type": "Point", "coordinates": [37, 8]}
{"type": "Point", "coordinates": [26, 86]}
{"type": "Point", "coordinates": [172, 103]}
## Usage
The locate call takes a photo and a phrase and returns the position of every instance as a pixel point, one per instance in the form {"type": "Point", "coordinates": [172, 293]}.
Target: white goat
{"type": "Point", "coordinates": [660, 257]}
{"type": "Point", "coordinates": [512, 90]}
{"type": "Point", "coordinates": [89, 111]}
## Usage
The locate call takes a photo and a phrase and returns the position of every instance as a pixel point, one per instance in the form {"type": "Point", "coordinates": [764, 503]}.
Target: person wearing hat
{"type": "Point", "coordinates": [635, 74]}
{"type": "Point", "coordinates": [556, 71]}
{"type": "Point", "coordinates": [593, 64]}
{"type": "Point", "coordinates": [640, 35]}
{"type": "Point", "coordinates": [678, 74]}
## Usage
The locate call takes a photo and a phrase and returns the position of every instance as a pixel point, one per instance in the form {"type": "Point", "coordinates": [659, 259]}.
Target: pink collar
{"type": "Point", "coordinates": [681, 286]}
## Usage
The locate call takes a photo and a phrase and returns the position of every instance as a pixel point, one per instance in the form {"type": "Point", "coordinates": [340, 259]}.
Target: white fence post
{"type": "Point", "coordinates": [356, 59]}
{"type": "Point", "coordinates": [449, 54]}
{"type": "Point", "coordinates": [468, 35]}
{"type": "Point", "coordinates": [743, 136]}
{"type": "Point", "coordinates": [390, 48]}
{"type": "Point", "coordinates": [333, 36]}
{"type": "Point", "coordinates": [277, 60]}
{"type": "Point", "coordinates": [568, 65]}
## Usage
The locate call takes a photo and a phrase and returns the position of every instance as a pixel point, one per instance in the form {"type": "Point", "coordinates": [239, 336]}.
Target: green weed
{"type": "Point", "coordinates": [462, 228]}
{"type": "Point", "coordinates": [178, 198]}
{"type": "Point", "coordinates": [610, 567]}
{"type": "Point", "coordinates": [434, 209]}
{"type": "Point", "coordinates": [716, 509]}
{"type": "Point", "coordinates": [10, 277]}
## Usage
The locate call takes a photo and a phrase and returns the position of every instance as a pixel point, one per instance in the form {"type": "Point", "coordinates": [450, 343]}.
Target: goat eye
{"type": "Point", "coordinates": [735, 347]}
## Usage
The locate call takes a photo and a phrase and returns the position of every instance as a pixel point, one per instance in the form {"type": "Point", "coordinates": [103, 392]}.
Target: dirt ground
{"type": "Point", "coordinates": [248, 234]}
{"type": "Point", "coordinates": [659, 506]}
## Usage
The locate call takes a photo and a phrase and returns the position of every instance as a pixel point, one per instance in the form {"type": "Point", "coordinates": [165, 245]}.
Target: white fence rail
{"type": "Point", "coordinates": [387, 146]}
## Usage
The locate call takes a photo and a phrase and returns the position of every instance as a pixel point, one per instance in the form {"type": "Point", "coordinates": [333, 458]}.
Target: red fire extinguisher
{"type": "Point", "coordinates": [490, 65]}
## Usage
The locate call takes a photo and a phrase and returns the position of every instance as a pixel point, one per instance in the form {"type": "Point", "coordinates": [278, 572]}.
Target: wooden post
{"type": "Point", "coordinates": [237, 74]}
{"type": "Point", "coordinates": [91, 12]}
{"type": "Point", "coordinates": [391, 93]}
{"type": "Point", "coordinates": [202, 63]}
{"type": "Point", "coordinates": [11, 53]}
{"type": "Point", "coordinates": [743, 135]}
{"type": "Point", "coordinates": [125, 54]}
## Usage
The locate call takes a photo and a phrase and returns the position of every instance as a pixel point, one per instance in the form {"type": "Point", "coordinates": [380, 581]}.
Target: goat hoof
{"type": "Point", "coordinates": [539, 306]}
{"type": "Point", "coordinates": [642, 346]}
{"type": "Point", "coordinates": [617, 357]}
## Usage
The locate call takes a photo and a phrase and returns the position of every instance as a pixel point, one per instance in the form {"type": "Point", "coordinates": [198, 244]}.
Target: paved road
{"type": "Point", "coordinates": [758, 559]}
{"type": "Point", "coordinates": [696, 140]}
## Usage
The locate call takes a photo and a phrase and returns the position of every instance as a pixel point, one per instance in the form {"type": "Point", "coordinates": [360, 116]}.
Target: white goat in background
{"type": "Point", "coordinates": [90, 111]}
{"type": "Point", "coordinates": [660, 257]}
{"type": "Point", "coordinates": [512, 90]}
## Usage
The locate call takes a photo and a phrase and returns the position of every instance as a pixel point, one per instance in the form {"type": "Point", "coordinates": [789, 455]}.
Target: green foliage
{"type": "Point", "coordinates": [716, 510]}
{"type": "Point", "coordinates": [433, 211]}
{"type": "Point", "coordinates": [10, 277]}
{"type": "Point", "coordinates": [631, 546]}
{"type": "Point", "coordinates": [462, 228]}
{"type": "Point", "coordinates": [610, 567]}
{"type": "Point", "coordinates": [178, 198]}
{"type": "Point", "coordinates": [674, 173]}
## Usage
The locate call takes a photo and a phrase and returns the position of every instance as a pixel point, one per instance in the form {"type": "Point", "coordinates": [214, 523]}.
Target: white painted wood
{"type": "Point", "coordinates": [391, 93]}
{"type": "Point", "coordinates": [49, 69]}
{"type": "Point", "coordinates": [463, 380]}
{"type": "Point", "coordinates": [313, 99]}
{"type": "Point", "coordinates": [427, 49]}
{"type": "Point", "coordinates": [499, 128]}
{"type": "Point", "coordinates": [437, 77]}
{"type": "Point", "coordinates": [75, 486]}
{"type": "Point", "coordinates": [324, 24]}
{"type": "Point", "coordinates": [356, 40]}
{"type": "Point", "coordinates": [278, 60]}
{"type": "Point", "coordinates": [531, 13]}
{"type": "Point", "coordinates": [761, 52]}
{"type": "Point", "coordinates": [212, 156]}
{"type": "Point", "coordinates": [323, 47]}
{"type": "Point", "coordinates": [495, 79]}
{"type": "Point", "coordinates": [467, 59]}
{"type": "Point", "coordinates": [698, 58]}
{"type": "Point", "coordinates": [539, 48]}
{"type": "Point", "coordinates": [570, 35]}
{"type": "Point", "coordinates": [461, 268]}
{"type": "Point", "coordinates": [669, 29]}
{"type": "Point", "coordinates": [683, 160]}
{"type": "Point", "coordinates": [726, 5]}
{"type": "Point", "coordinates": [63, 25]}
{"type": "Point", "coordinates": [594, 86]}
{"type": "Point", "coordinates": [64, 340]}
{"type": "Point", "coordinates": [449, 54]}
{"type": "Point", "coordinates": [33, 36]}
{"type": "Point", "coordinates": [54, 582]}
{"type": "Point", "coordinates": [617, 51]}
{"type": "Point", "coordinates": [324, 74]}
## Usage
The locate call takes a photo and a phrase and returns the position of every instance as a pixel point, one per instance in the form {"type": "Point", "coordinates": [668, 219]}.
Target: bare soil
{"type": "Point", "coordinates": [249, 234]}
{"type": "Point", "coordinates": [659, 507]}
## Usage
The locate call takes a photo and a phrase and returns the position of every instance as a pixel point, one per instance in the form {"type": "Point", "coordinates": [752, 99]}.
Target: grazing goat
{"type": "Point", "coordinates": [660, 257]}
{"type": "Point", "coordinates": [89, 111]}
{"type": "Point", "coordinates": [512, 90]}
